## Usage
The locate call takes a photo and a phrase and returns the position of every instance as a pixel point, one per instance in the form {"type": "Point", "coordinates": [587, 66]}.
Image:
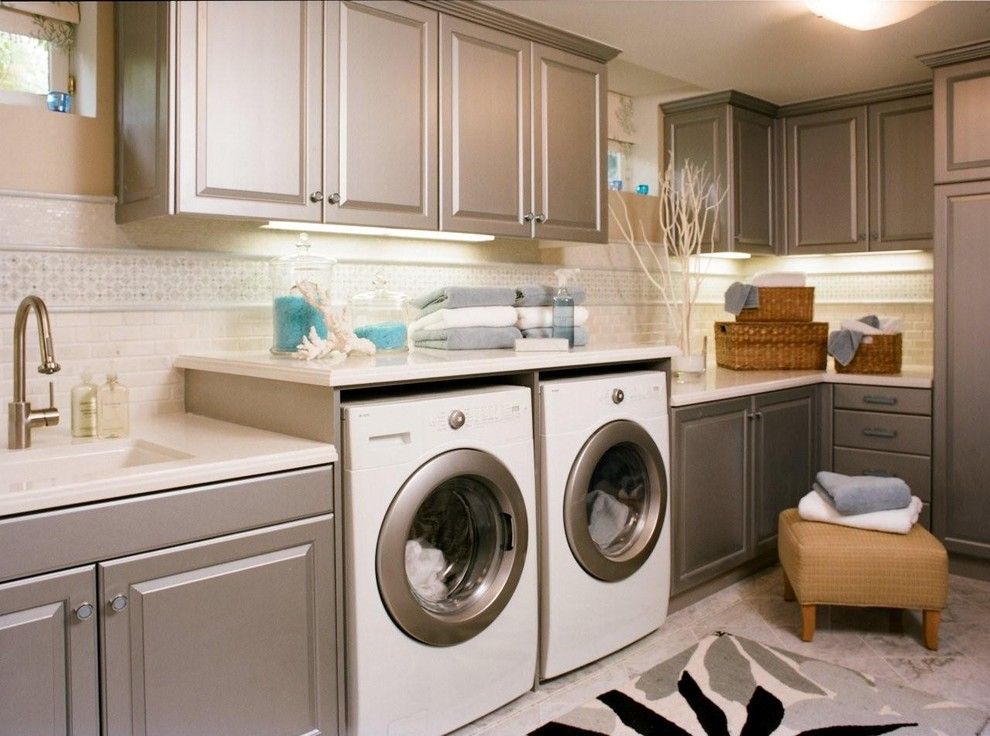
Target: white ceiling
{"type": "Point", "coordinates": [774, 49]}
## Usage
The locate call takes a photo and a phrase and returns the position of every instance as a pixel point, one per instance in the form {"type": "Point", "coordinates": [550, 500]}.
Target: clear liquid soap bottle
{"type": "Point", "coordinates": [112, 408]}
{"type": "Point", "coordinates": [563, 306]}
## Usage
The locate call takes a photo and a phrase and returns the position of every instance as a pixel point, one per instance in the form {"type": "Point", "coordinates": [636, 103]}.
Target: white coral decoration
{"type": "Point", "coordinates": [341, 340]}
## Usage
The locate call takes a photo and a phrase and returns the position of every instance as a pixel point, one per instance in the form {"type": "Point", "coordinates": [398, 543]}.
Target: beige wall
{"type": "Point", "coordinates": [44, 151]}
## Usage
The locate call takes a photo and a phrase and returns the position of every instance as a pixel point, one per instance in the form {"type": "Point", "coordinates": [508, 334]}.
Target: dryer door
{"type": "Point", "coordinates": [452, 547]}
{"type": "Point", "coordinates": [615, 501]}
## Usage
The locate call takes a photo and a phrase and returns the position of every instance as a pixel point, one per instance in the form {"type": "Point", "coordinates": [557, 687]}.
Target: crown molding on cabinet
{"type": "Point", "coordinates": [885, 94]}
{"type": "Point", "coordinates": [531, 30]}
{"type": "Point", "coordinates": [957, 54]}
{"type": "Point", "coordinates": [730, 96]}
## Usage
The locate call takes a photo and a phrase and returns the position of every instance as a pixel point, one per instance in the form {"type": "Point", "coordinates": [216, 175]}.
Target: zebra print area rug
{"type": "Point", "coordinates": [727, 685]}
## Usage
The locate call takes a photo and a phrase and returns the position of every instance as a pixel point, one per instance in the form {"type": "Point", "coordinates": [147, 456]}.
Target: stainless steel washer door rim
{"type": "Point", "coordinates": [483, 489]}
{"type": "Point", "coordinates": [643, 527]}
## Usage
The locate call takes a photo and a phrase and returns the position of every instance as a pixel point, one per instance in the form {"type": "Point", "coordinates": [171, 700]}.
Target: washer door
{"type": "Point", "coordinates": [452, 547]}
{"type": "Point", "coordinates": [615, 501]}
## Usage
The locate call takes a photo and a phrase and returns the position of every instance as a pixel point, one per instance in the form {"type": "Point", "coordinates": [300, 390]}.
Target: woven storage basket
{"type": "Point", "coordinates": [782, 304]}
{"type": "Point", "coordinates": [755, 346]}
{"type": "Point", "coordinates": [877, 354]}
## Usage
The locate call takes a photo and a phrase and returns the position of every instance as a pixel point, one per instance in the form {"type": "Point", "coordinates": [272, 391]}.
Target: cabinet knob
{"type": "Point", "coordinates": [540, 218]}
{"type": "Point", "coordinates": [333, 198]}
{"type": "Point", "coordinates": [316, 197]}
{"type": "Point", "coordinates": [861, 237]}
{"type": "Point", "coordinates": [875, 236]}
{"type": "Point", "coordinates": [84, 611]}
{"type": "Point", "coordinates": [528, 217]}
{"type": "Point", "coordinates": [118, 603]}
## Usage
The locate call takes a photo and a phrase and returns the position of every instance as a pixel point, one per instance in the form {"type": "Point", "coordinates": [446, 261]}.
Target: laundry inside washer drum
{"type": "Point", "coordinates": [616, 499]}
{"type": "Point", "coordinates": [454, 545]}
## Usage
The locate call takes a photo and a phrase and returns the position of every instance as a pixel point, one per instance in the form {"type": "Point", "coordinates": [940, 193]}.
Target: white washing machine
{"type": "Point", "coordinates": [440, 559]}
{"type": "Point", "coordinates": [604, 531]}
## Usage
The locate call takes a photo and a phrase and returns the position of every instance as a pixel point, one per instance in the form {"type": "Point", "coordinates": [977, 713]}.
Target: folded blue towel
{"type": "Point", "coordinates": [580, 334]}
{"type": "Point", "coordinates": [467, 338]}
{"type": "Point", "coordinates": [843, 344]}
{"type": "Point", "coordinates": [863, 494]}
{"type": "Point", "coordinates": [740, 296]}
{"type": "Point", "coordinates": [455, 297]}
{"type": "Point", "coordinates": [536, 295]}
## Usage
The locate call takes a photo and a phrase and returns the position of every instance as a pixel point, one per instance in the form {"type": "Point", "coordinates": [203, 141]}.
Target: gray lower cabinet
{"type": "Point", "coordinates": [48, 655]}
{"type": "Point", "coordinates": [231, 635]}
{"type": "Point", "coordinates": [737, 464]}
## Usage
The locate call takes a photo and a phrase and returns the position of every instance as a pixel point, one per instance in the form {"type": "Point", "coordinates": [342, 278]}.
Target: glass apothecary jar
{"type": "Point", "coordinates": [301, 284]}
{"type": "Point", "coordinates": [380, 315]}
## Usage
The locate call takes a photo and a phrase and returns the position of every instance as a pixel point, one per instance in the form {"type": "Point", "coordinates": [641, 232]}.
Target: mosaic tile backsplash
{"type": "Point", "coordinates": [140, 296]}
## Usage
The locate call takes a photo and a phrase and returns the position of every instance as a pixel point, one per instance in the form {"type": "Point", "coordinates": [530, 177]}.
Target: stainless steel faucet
{"type": "Point", "coordinates": [20, 416]}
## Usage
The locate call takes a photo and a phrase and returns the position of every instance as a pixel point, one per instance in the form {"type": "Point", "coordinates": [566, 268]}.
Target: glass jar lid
{"type": "Point", "coordinates": [379, 297]}
{"type": "Point", "coordinates": [302, 259]}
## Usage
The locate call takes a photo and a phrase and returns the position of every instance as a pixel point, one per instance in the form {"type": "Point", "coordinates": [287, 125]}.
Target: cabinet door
{"type": "Point", "coordinates": [710, 494]}
{"type": "Point", "coordinates": [229, 636]}
{"type": "Point", "coordinates": [785, 448]}
{"type": "Point", "coordinates": [569, 117]}
{"type": "Point", "coordinates": [701, 136]}
{"type": "Point", "coordinates": [961, 494]}
{"type": "Point", "coordinates": [249, 96]}
{"type": "Point", "coordinates": [753, 160]}
{"type": "Point", "coordinates": [962, 126]}
{"type": "Point", "coordinates": [485, 119]}
{"type": "Point", "coordinates": [381, 115]}
{"type": "Point", "coordinates": [48, 668]}
{"type": "Point", "coordinates": [827, 182]}
{"type": "Point", "coordinates": [901, 174]}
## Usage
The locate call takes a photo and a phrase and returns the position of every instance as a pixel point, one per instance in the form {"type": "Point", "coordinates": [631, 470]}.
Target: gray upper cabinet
{"type": "Point", "coordinates": [962, 125]}
{"type": "Point", "coordinates": [48, 655]}
{"type": "Point", "coordinates": [486, 119]}
{"type": "Point", "coordinates": [231, 635]}
{"type": "Point", "coordinates": [249, 80]}
{"type": "Point", "coordinates": [736, 143]}
{"type": "Point", "coordinates": [569, 120]}
{"type": "Point", "coordinates": [827, 207]}
{"type": "Point", "coordinates": [381, 115]}
{"type": "Point", "coordinates": [901, 174]}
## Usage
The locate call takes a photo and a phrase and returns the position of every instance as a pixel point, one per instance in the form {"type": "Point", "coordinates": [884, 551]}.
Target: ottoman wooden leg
{"type": "Point", "coordinates": [788, 590]}
{"type": "Point", "coordinates": [808, 623]}
{"type": "Point", "coordinates": [931, 621]}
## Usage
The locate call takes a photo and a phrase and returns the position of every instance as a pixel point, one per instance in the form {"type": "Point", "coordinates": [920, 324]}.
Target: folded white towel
{"type": "Point", "coordinates": [448, 319]}
{"type": "Point", "coordinates": [778, 278]}
{"type": "Point", "coordinates": [861, 327]}
{"type": "Point", "coordinates": [813, 507]}
{"type": "Point", "coordinates": [891, 325]}
{"type": "Point", "coordinates": [529, 317]}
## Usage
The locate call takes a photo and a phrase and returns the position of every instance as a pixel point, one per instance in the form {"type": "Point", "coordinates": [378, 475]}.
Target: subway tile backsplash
{"type": "Point", "coordinates": [113, 298]}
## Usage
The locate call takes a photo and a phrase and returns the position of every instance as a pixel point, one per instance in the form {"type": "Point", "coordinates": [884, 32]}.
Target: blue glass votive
{"type": "Point", "coordinates": [59, 101]}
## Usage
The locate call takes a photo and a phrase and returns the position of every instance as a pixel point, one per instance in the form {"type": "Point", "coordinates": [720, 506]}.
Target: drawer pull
{"type": "Point", "coordinates": [885, 400]}
{"type": "Point", "coordinates": [880, 473]}
{"type": "Point", "coordinates": [885, 433]}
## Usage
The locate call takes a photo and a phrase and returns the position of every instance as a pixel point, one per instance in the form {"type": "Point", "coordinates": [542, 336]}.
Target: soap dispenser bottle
{"type": "Point", "coordinates": [563, 307]}
{"type": "Point", "coordinates": [84, 407]}
{"type": "Point", "coordinates": [112, 408]}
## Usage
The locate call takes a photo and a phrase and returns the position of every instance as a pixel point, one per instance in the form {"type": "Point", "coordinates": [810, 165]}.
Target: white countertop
{"type": "Point", "coordinates": [192, 450]}
{"type": "Point", "coordinates": [415, 365]}
{"type": "Point", "coordinates": [723, 383]}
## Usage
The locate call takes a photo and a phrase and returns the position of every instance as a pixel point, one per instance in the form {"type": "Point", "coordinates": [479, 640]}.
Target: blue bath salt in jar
{"type": "Point", "coordinates": [380, 315]}
{"type": "Point", "coordinates": [301, 285]}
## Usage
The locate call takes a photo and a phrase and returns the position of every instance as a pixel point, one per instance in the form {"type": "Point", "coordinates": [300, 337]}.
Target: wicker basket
{"type": "Point", "coordinates": [877, 354]}
{"type": "Point", "coordinates": [755, 346]}
{"type": "Point", "coordinates": [782, 304]}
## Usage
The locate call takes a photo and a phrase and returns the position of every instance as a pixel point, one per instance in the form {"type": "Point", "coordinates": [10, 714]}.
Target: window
{"type": "Point", "coordinates": [24, 64]}
{"type": "Point", "coordinates": [34, 57]}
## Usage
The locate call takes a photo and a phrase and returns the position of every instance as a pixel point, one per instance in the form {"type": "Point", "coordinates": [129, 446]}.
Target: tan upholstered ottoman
{"type": "Point", "coordinates": [838, 565]}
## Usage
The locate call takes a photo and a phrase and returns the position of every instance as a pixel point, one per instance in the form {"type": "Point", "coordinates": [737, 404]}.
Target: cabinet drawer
{"type": "Point", "coordinates": [914, 470]}
{"type": "Point", "coordinates": [877, 431]}
{"type": "Point", "coordinates": [884, 398]}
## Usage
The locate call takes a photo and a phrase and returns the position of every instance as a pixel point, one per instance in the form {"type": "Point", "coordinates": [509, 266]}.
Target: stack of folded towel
{"type": "Point", "coordinates": [740, 296]}
{"type": "Point", "coordinates": [534, 311]}
{"type": "Point", "coordinates": [465, 318]}
{"type": "Point", "coordinates": [844, 342]}
{"type": "Point", "coordinates": [864, 502]}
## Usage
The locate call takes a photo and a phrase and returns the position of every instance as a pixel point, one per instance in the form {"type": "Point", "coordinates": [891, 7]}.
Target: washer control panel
{"type": "Point", "coordinates": [473, 416]}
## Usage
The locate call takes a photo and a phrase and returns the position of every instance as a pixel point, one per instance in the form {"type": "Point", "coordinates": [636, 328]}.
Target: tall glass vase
{"type": "Point", "coordinates": [690, 366]}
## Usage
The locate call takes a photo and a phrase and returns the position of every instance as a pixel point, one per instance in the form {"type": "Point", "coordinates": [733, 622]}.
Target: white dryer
{"type": "Point", "coordinates": [440, 567]}
{"type": "Point", "coordinates": [604, 531]}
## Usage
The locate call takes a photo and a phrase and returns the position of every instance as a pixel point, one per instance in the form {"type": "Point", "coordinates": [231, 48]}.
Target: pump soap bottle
{"type": "Point", "coordinates": [112, 409]}
{"type": "Point", "coordinates": [84, 407]}
{"type": "Point", "coordinates": [563, 307]}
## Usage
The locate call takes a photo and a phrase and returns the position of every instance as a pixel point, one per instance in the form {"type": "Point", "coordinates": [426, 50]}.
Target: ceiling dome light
{"type": "Point", "coordinates": [865, 15]}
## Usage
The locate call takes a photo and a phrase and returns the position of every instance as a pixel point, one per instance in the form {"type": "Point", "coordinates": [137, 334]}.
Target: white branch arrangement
{"type": "Point", "coordinates": [689, 201]}
{"type": "Point", "coordinates": [340, 340]}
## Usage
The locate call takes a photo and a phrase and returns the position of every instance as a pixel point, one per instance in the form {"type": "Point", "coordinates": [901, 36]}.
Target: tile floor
{"type": "Point", "coordinates": [868, 640]}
